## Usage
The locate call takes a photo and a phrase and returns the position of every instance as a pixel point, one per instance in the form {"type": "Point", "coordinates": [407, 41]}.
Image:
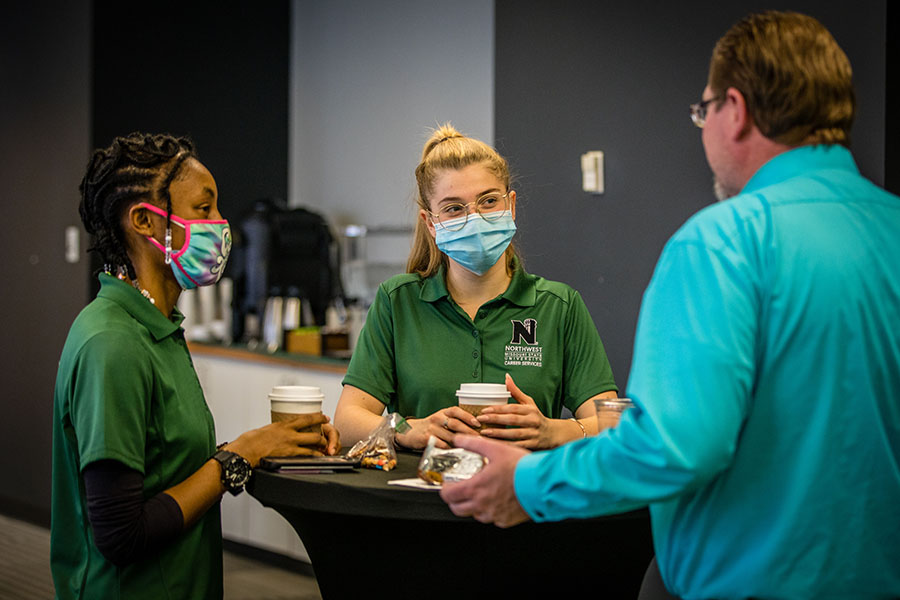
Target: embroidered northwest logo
{"type": "Point", "coordinates": [523, 349]}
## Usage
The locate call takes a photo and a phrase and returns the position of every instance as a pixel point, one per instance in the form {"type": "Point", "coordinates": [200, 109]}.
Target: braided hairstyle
{"type": "Point", "coordinates": [138, 167]}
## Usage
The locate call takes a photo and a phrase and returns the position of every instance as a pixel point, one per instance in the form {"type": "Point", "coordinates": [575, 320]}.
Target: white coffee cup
{"type": "Point", "coordinates": [288, 401]}
{"type": "Point", "coordinates": [475, 397]}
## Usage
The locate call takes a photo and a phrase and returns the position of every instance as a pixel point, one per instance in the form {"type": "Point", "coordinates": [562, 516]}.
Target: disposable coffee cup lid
{"type": "Point", "coordinates": [296, 391]}
{"type": "Point", "coordinates": [483, 390]}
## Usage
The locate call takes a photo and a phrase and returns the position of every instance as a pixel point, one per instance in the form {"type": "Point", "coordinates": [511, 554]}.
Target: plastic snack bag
{"type": "Point", "coordinates": [455, 464]}
{"type": "Point", "coordinates": [377, 451]}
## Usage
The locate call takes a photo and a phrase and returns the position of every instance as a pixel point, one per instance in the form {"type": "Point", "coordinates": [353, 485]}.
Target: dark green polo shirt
{"type": "Point", "coordinates": [126, 390]}
{"type": "Point", "coordinates": [418, 345]}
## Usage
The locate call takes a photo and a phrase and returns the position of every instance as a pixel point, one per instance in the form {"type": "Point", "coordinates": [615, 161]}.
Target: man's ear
{"type": "Point", "coordinates": [740, 121]}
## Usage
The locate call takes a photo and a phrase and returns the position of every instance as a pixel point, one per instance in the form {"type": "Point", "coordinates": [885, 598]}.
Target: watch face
{"type": "Point", "coordinates": [235, 471]}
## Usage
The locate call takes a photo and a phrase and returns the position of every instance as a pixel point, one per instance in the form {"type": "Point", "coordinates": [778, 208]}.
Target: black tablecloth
{"type": "Point", "coordinates": [364, 537]}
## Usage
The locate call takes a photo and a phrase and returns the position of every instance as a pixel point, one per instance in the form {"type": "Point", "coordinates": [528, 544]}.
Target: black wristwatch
{"type": "Point", "coordinates": [235, 471]}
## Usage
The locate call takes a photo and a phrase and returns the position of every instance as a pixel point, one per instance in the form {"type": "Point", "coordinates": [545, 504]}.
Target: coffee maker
{"type": "Point", "coordinates": [282, 252]}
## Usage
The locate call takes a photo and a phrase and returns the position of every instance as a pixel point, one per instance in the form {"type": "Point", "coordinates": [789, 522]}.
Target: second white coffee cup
{"type": "Point", "coordinates": [475, 397]}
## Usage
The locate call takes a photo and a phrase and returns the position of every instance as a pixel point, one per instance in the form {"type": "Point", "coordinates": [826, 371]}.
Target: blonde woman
{"type": "Point", "coordinates": [467, 312]}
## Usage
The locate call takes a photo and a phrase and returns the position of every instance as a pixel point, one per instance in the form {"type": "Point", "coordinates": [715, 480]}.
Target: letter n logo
{"type": "Point", "coordinates": [524, 331]}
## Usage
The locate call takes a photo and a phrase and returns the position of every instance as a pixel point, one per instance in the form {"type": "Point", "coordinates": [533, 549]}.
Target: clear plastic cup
{"type": "Point", "coordinates": [609, 411]}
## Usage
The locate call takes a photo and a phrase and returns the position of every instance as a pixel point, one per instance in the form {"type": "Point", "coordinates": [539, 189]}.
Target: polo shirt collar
{"type": "Point", "coordinates": [521, 290]}
{"type": "Point", "coordinates": [116, 290]}
{"type": "Point", "coordinates": [801, 161]}
{"type": "Point", "coordinates": [435, 287]}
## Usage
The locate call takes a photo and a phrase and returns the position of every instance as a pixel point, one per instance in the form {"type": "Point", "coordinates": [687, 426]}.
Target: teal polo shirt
{"type": "Point", "coordinates": [766, 379]}
{"type": "Point", "coordinates": [126, 390]}
{"type": "Point", "coordinates": [418, 345]}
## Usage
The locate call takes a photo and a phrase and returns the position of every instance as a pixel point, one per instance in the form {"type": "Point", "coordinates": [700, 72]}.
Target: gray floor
{"type": "Point", "coordinates": [25, 570]}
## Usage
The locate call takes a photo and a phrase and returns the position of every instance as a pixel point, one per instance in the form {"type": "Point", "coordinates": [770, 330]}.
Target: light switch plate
{"type": "Point", "coordinates": [592, 172]}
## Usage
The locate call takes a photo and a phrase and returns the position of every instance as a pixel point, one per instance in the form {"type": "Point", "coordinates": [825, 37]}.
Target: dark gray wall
{"type": "Point", "coordinates": [217, 72]}
{"type": "Point", "coordinates": [618, 77]}
{"type": "Point", "coordinates": [44, 95]}
{"type": "Point", "coordinates": [71, 81]}
{"type": "Point", "coordinates": [892, 99]}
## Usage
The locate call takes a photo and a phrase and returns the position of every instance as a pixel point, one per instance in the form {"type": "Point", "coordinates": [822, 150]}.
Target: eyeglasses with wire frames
{"type": "Point", "coordinates": [490, 207]}
{"type": "Point", "coordinates": [698, 111]}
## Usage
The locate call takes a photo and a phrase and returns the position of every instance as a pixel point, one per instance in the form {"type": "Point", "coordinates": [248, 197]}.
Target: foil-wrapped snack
{"type": "Point", "coordinates": [456, 464]}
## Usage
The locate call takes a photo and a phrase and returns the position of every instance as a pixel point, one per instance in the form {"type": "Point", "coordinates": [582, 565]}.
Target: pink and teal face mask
{"type": "Point", "coordinates": [202, 258]}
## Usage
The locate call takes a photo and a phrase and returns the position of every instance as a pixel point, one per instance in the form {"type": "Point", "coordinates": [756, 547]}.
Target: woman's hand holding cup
{"type": "Point", "coordinates": [298, 427]}
{"type": "Point", "coordinates": [443, 424]}
{"type": "Point", "coordinates": [288, 438]}
{"type": "Point", "coordinates": [289, 401]}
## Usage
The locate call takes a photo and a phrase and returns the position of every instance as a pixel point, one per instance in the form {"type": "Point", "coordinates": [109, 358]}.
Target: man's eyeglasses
{"type": "Point", "coordinates": [698, 111]}
{"type": "Point", "coordinates": [490, 207]}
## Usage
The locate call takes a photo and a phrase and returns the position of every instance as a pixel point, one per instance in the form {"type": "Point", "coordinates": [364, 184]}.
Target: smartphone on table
{"type": "Point", "coordinates": [308, 464]}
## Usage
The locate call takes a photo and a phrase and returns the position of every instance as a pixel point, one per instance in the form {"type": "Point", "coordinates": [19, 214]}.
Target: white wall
{"type": "Point", "coordinates": [368, 80]}
{"type": "Point", "coordinates": [236, 392]}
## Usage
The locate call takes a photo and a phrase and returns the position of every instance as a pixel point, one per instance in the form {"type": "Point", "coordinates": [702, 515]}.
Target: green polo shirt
{"type": "Point", "coordinates": [418, 345]}
{"type": "Point", "coordinates": [126, 390]}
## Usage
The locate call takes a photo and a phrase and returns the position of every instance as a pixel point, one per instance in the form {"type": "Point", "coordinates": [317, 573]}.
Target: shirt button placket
{"type": "Point", "coordinates": [476, 363]}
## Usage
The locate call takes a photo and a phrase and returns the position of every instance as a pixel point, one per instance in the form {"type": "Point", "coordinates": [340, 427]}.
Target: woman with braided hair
{"type": "Point", "coordinates": [137, 474]}
{"type": "Point", "coordinates": [467, 312]}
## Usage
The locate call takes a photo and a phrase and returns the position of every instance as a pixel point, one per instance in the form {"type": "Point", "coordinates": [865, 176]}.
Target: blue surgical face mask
{"type": "Point", "coordinates": [479, 244]}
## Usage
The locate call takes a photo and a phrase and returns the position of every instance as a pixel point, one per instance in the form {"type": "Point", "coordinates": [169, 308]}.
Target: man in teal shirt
{"type": "Point", "coordinates": [773, 471]}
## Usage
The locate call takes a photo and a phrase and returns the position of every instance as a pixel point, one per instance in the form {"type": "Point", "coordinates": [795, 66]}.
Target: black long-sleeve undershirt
{"type": "Point", "coordinates": [126, 527]}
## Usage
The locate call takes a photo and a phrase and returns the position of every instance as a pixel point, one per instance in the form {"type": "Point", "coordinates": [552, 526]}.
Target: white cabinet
{"type": "Point", "coordinates": [236, 389]}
